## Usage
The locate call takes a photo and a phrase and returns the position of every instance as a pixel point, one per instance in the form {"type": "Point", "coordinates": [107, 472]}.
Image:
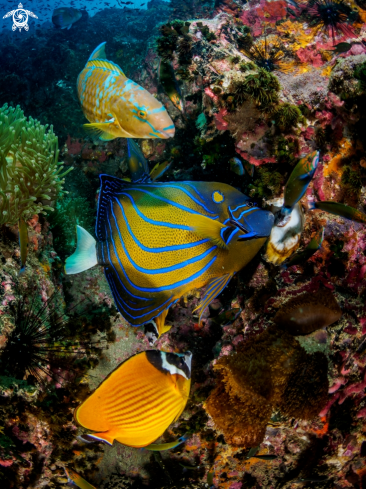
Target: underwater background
{"type": "Point", "coordinates": [260, 275]}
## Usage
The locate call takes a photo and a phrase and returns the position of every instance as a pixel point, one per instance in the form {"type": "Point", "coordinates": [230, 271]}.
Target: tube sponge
{"type": "Point", "coordinates": [30, 174]}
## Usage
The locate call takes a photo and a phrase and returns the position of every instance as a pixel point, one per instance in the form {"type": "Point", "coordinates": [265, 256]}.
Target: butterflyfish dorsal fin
{"type": "Point", "coordinates": [109, 65]}
{"type": "Point", "coordinates": [99, 52]}
{"type": "Point", "coordinates": [209, 228]}
{"type": "Point", "coordinates": [137, 163]}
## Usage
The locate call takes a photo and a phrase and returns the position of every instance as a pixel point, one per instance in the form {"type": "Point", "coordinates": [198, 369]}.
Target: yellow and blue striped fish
{"type": "Point", "coordinates": [117, 107]}
{"type": "Point", "coordinates": [137, 402]}
{"type": "Point", "coordinates": [157, 241]}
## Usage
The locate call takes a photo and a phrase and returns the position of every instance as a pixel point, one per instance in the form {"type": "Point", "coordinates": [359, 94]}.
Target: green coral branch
{"type": "Point", "coordinates": [30, 172]}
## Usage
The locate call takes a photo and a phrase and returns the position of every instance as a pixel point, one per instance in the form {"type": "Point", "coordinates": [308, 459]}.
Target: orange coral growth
{"type": "Point", "coordinates": [308, 312]}
{"type": "Point", "coordinates": [273, 371]}
{"type": "Point", "coordinates": [345, 150]}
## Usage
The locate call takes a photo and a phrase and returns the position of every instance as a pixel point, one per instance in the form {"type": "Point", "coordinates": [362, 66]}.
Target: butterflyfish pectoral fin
{"type": "Point", "coordinates": [99, 52]}
{"type": "Point", "coordinates": [100, 129]}
{"type": "Point", "coordinates": [85, 255]}
{"type": "Point", "coordinates": [209, 228]}
{"type": "Point", "coordinates": [214, 288]}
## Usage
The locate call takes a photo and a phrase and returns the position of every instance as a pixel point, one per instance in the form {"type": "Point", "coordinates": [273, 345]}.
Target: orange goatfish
{"type": "Point", "coordinates": [137, 402]}
{"type": "Point", "coordinates": [117, 107]}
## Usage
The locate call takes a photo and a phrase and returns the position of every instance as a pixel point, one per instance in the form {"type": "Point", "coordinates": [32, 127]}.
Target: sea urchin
{"type": "Point", "coordinates": [332, 17]}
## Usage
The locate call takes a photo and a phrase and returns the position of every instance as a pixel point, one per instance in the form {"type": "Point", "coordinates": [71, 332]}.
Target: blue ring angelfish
{"type": "Point", "coordinates": [218, 197]}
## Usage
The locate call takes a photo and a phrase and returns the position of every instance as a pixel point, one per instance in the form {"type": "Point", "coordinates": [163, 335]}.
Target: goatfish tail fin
{"type": "Point", "coordinates": [85, 255]}
{"type": "Point", "coordinates": [208, 228]}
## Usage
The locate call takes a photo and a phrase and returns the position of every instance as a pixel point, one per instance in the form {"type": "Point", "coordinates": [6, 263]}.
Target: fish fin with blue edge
{"type": "Point", "coordinates": [85, 255]}
{"type": "Point", "coordinates": [159, 170]}
{"type": "Point", "coordinates": [160, 447]}
{"type": "Point", "coordinates": [210, 229]}
{"type": "Point", "coordinates": [137, 163]}
{"type": "Point", "coordinates": [215, 287]}
{"type": "Point", "coordinates": [109, 65]}
{"type": "Point", "coordinates": [77, 480]}
{"type": "Point", "coordinates": [109, 186]}
{"type": "Point", "coordinates": [106, 437]}
{"type": "Point", "coordinates": [99, 52]}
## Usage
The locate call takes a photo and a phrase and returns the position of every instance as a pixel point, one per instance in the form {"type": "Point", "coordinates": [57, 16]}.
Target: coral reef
{"type": "Point", "coordinates": [266, 82]}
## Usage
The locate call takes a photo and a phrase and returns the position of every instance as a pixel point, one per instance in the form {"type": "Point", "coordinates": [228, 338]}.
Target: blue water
{"type": "Point", "coordinates": [43, 10]}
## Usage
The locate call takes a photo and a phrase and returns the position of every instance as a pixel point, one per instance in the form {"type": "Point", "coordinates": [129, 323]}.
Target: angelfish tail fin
{"type": "Point", "coordinates": [85, 255]}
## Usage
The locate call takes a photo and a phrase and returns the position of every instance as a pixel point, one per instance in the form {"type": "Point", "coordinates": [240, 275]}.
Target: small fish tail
{"type": "Point", "coordinates": [85, 255]}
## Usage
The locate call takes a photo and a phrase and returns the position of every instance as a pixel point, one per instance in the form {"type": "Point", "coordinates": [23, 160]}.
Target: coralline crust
{"type": "Point", "coordinates": [308, 312]}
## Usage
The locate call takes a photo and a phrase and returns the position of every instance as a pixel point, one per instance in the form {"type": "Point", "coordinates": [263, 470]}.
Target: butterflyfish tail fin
{"type": "Point", "coordinates": [99, 129]}
{"type": "Point", "coordinates": [85, 255]}
{"type": "Point", "coordinates": [208, 228]}
{"type": "Point", "coordinates": [137, 163]}
{"type": "Point", "coordinates": [214, 288]}
{"type": "Point", "coordinates": [99, 52]}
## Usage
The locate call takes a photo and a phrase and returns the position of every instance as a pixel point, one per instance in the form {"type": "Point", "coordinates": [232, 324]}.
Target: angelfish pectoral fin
{"type": "Point", "coordinates": [209, 228]}
{"type": "Point", "coordinates": [214, 288]}
{"type": "Point", "coordinates": [156, 327]}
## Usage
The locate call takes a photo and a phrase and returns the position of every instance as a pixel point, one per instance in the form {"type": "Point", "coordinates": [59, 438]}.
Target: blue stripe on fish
{"type": "Point", "coordinates": [170, 202]}
{"type": "Point", "coordinates": [165, 287]}
{"type": "Point", "coordinates": [156, 223]}
{"type": "Point", "coordinates": [159, 270]}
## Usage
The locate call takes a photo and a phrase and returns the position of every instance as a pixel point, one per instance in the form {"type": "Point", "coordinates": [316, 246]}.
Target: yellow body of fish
{"type": "Point", "coordinates": [158, 241]}
{"type": "Point", "coordinates": [118, 107]}
{"type": "Point", "coordinates": [139, 400]}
